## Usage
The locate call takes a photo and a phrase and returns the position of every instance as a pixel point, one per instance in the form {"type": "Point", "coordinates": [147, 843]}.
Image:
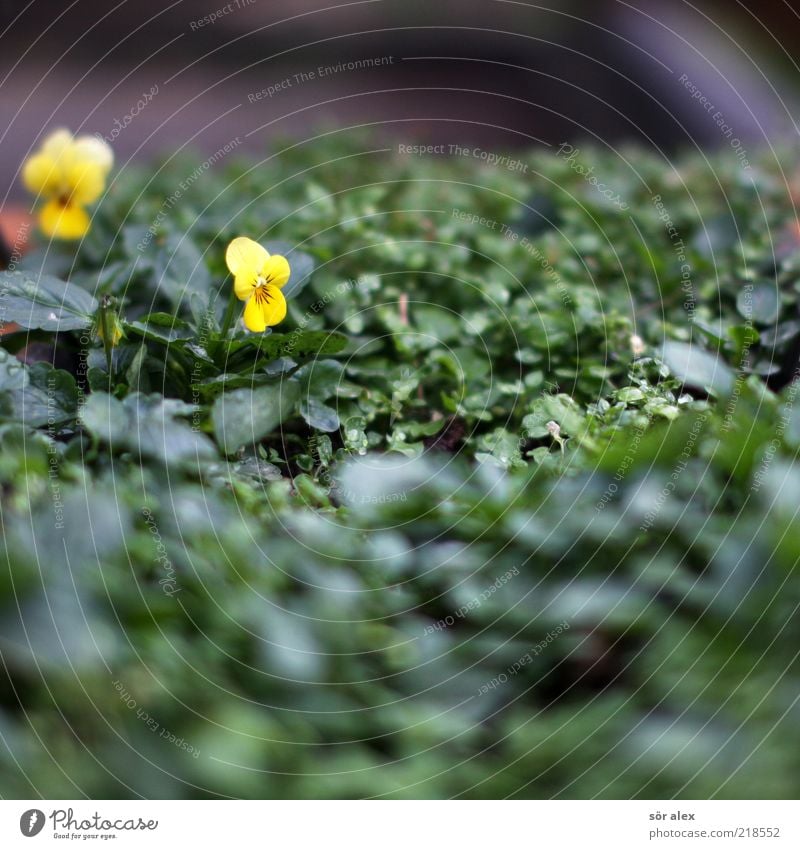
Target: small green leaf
{"type": "Point", "coordinates": [629, 394]}
{"type": "Point", "coordinates": [561, 409]}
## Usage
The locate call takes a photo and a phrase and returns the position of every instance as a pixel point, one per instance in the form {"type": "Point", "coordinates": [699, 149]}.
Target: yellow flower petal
{"type": "Point", "coordinates": [92, 150]}
{"type": "Point", "coordinates": [254, 317]}
{"type": "Point", "coordinates": [244, 257]}
{"type": "Point", "coordinates": [62, 221]}
{"type": "Point", "coordinates": [85, 164]}
{"type": "Point", "coordinates": [244, 285]}
{"type": "Point", "coordinates": [273, 304]}
{"type": "Point", "coordinates": [72, 174]}
{"type": "Point", "coordinates": [266, 307]}
{"type": "Point", "coordinates": [56, 143]}
{"type": "Point", "coordinates": [42, 175]}
{"type": "Point", "coordinates": [85, 181]}
{"type": "Point", "coordinates": [276, 271]}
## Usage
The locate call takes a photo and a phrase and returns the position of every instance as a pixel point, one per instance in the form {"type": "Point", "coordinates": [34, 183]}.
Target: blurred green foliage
{"type": "Point", "coordinates": [330, 561]}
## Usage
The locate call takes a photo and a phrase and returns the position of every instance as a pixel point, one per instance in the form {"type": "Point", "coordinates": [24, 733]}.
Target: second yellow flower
{"type": "Point", "coordinates": [69, 173]}
{"type": "Point", "coordinates": [258, 278]}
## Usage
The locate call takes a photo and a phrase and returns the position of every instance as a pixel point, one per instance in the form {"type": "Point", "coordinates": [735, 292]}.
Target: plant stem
{"type": "Point", "coordinates": [228, 318]}
{"type": "Point", "coordinates": [403, 304]}
{"type": "Point", "coordinates": [108, 335]}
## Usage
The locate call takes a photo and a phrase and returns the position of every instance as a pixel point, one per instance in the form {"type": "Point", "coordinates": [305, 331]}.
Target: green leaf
{"type": "Point", "coordinates": [780, 333]}
{"type": "Point", "coordinates": [49, 398]}
{"type": "Point", "coordinates": [436, 324]}
{"type": "Point", "coordinates": [13, 374]}
{"type": "Point", "coordinates": [320, 378]}
{"type": "Point", "coordinates": [501, 448]}
{"type": "Point", "coordinates": [161, 327]}
{"type": "Point", "coordinates": [44, 303]}
{"type": "Point", "coordinates": [36, 395]}
{"type": "Point", "coordinates": [694, 366]}
{"type": "Point", "coordinates": [245, 416]}
{"type": "Point", "coordinates": [318, 381]}
{"type": "Point", "coordinates": [415, 429]}
{"type": "Point", "coordinates": [319, 415]}
{"type": "Point", "coordinates": [55, 260]}
{"type": "Point", "coordinates": [744, 337]}
{"type": "Point", "coordinates": [147, 425]}
{"type": "Point", "coordinates": [760, 303]}
{"type": "Point", "coordinates": [713, 332]}
{"type": "Point", "coordinates": [301, 265]}
{"type": "Point", "coordinates": [135, 375]}
{"type": "Point", "coordinates": [177, 268]}
{"type": "Point", "coordinates": [298, 343]}
{"type": "Point", "coordinates": [256, 469]}
{"type": "Point", "coordinates": [558, 408]}
{"type": "Point", "coordinates": [629, 394]}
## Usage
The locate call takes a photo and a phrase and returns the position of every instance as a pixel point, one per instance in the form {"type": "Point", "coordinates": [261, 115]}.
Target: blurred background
{"type": "Point", "coordinates": [153, 76]}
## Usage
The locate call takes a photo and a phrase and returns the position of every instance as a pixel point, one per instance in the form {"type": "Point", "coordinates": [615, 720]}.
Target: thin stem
{"type": "Point", "coordinates": [403, 304]}
{"type": "Point", "coordinates": [108, 334]}
{"type": "Point", "coordinates": [228, 319]}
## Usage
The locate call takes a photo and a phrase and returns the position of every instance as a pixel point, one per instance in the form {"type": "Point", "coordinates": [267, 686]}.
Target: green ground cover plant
{"type": "Point", "coordinates": [505, 507]}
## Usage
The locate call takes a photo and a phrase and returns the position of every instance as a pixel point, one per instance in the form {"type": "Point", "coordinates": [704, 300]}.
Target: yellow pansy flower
{"type": "Point", "coordinates": [258, 278]}
{"type": "Point", "coordinates": [70, 173]}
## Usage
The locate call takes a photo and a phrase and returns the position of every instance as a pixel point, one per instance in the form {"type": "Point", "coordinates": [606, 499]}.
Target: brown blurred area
{"type": "Point", "coordinates": [499, 73]}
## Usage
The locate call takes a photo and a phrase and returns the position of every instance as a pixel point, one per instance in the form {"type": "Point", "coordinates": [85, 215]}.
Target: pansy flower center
{"type": "Point", "coordinates": [260, 292]}
{"type": "Point", "coordinates": [261, 283]}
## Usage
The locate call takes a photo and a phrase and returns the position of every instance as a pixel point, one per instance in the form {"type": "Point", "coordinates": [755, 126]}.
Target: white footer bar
{"type": "Point", "coordinates": [404, 825]}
